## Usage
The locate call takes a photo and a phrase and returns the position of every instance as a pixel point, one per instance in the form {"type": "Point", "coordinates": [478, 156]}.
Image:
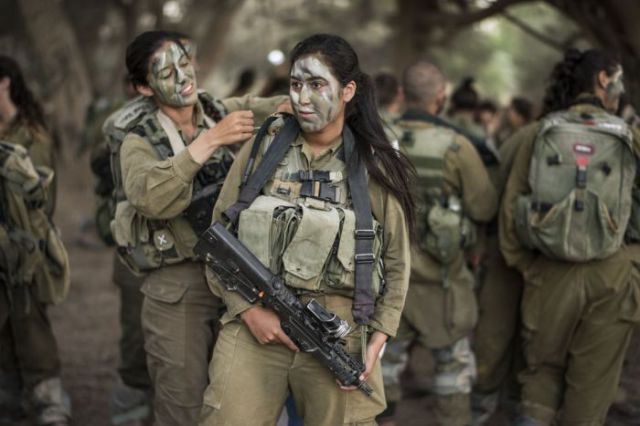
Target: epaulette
{"type": "Point", "coordinates": [132, 111]}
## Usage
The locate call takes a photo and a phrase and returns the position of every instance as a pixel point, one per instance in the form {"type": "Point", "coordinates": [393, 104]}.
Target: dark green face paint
{"type": "Point", "coordinates": [172, 76]}
{"type": "Point", "coordinates": [315, 94]}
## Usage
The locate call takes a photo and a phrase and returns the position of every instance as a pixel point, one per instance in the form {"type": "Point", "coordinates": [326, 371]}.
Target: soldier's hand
{"type": "Point", "coordinates": [236, 127]}
{"type": "Point", "coordinates": [374, 348]}
{"type": "Point", "coordinates": [264, 324]}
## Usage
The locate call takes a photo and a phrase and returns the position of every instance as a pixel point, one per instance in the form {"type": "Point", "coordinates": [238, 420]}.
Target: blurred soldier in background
{"type": "Point", "coordinates": [29, 360]}
{"type": "Point", "coordinates": [454, 190]}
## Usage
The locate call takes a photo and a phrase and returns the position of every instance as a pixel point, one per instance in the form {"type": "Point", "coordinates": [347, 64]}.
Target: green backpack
{"type": "Point", "coordinates": [31, 249]}
{"type": "Point", "coordinates": [581, 176]}
{"type": "Point", "coordinates": [445, 231]}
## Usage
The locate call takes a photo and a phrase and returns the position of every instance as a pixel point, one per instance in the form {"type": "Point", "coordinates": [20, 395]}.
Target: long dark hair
{"type": "Point", "coordinates": [465, 97]}
{"type": "Point", "coordinates": [576, 74]}
{"type": "Point", "coordinates": [29, 110]}
{"type": "Point", "coordinates": [140, 50]}
{"type": "Point", "coordinates": [391, 169]}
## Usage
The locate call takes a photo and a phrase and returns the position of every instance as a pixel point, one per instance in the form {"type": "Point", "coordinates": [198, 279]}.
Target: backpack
{"type": "Point", "coordinates": [145, 244]}
{"type": "Point", "coordinates": [31, 246]}
{"type": "Point", "coordinates": [581, 176]}
{"type": "Point", "coordinates": [443, 228]}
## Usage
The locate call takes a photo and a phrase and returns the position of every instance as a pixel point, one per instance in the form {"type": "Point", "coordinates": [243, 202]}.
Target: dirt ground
{"type": "Point", "coordinates": [86, 324]}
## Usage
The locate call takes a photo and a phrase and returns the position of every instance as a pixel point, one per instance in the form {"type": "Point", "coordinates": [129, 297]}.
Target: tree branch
{"type": "Point", "coordinates": [528, 29]}
{"type": "Point", "coordinates": [468, 18]}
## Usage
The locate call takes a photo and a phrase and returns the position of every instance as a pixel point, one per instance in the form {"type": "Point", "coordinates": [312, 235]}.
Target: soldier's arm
{"type": "Point", "coordinates": [510, 147]}
{"type": "Point", "coordinates": [515, 254]}
{"type": "Point", "coordinates": [261, 107]}
{"type": "Point", "coordinates": [479, 197]}
{"type": "Point", "coordinates": [397, 259]}
{"type": "Point", "coordinates": [158, 189]}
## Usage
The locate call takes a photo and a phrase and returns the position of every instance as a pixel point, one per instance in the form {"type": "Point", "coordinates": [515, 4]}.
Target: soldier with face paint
{"type": "Point", "coordinates": [167, 173]}
{"type": "Point", "coordinates": [577, 315]}
{"type": "Point", "coordinates": [255, 364]}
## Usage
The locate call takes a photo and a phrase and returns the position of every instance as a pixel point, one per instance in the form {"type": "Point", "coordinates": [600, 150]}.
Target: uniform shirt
{"type": "Point", "coordinates": [386, 209]}
{"type": "Point", "coordinates": [516, 254]}
{"type": "Point", "coordinates": [466, 176]}
{"type": "Point", "coordinates": [39, 143]}
{"type": "Point", "coordinates": [261, 107]}
{"type": "Point", "coordinates": [162, 189]}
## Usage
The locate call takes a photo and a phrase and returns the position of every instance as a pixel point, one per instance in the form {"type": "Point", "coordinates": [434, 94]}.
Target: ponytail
{"type": "Point", "coordinates": [576, 74]}
{"type": "Point", "coordinates": [29, 110]}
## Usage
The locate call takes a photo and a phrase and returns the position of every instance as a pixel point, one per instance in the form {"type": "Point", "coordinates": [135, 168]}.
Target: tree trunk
{"type": "Point", "coordinates": [67, 88]}
{"type": "Point", "coordinates": [211, 45]}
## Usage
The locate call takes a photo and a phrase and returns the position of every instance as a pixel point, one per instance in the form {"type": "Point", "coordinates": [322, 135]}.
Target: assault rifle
{"type": "Point", "coordinates": [311, 327]}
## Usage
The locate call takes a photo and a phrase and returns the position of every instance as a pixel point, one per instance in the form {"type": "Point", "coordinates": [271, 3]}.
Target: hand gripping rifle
{"type": "Point", "coordinates": [311, 327]}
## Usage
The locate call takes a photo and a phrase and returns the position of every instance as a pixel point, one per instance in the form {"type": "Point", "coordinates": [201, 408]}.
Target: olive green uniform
{"type": "Point", "coordinates": [466, 121]}
{"type": "Point", "coordinates": [440, 313]}
{"type": "Point", "coordinates": [497, 345]}
{"type": "Point", "coordinates": [577, 318]}
{"type": "Point", "coordinates": [29, 356]}
{"type": "Point", "coordinates": [178, 312]}
{"type": "Point", "coordinates": [250, 381]}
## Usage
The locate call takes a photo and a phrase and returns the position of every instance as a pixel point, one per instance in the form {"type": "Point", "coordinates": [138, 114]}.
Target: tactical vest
{"type": "Point", "coordinates": [303, 227]}
{"type": "Point", "coordinates": [581, 175]}
{"type": "Point", "coordinates": [146, 244]}
{"type": "Point", "coordinates": [31, 249]}
{"type": "Point", "coordinates": [313, 227]}
{"type": "Point", "coordinates": [443, 228]}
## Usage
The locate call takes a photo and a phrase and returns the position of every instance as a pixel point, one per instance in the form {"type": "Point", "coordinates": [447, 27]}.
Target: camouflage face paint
{"type": "Point", "coordinates": [316, 95]}
{"type": "Point", "coordinates": [614, 91]}
{"type": "Point", "coordinates": [172, 76]}
{"type": "Point", "coordinates": [615, 88]}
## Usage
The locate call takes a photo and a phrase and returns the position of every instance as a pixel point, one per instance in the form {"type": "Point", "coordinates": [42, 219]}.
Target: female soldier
{"type": "Point", "coordinates": [255, 362]}
{"type": "Point", "coordinates": [28, 352]}
{"type": "Point", "coordinates": [171, 163]}
{"type": "Point", "coordinates": [563, 223]}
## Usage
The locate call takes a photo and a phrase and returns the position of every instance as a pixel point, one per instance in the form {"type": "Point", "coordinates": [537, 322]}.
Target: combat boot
{"type": "Point", "coordinates": [130, 406]}
{"type": "Point", "coordinates": [523, 420]}
{"type": "Point", "coordinates": [483, 405]}
{"type": "Point", "coordinates": [51, 404]}
{"type": "Point", "coordinates": [11, 410]}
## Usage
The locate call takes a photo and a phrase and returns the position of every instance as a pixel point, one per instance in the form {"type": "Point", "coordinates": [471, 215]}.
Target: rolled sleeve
{"type": "Point", "coordinates": [261, 107]}
{"type": "Point", "coordinates": [387, 209]}
{"type": "Point", "coordinates": [158, 189]}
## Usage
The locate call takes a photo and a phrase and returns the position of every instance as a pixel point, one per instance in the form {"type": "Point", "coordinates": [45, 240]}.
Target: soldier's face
{"type": "Point", "coordinates": [614, 91]}
{"type": "Point", "coordinates": [316, 95]}
{"type": "Point", "coordinates": [172, 76]}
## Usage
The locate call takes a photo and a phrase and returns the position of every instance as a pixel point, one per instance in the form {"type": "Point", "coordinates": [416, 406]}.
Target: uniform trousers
{"type": "Point", "coordinates": [577, 321]}
{"type": "Point", "coordinates": [179, 317]}
{"type": "Point", "coordinates": [250, 382]}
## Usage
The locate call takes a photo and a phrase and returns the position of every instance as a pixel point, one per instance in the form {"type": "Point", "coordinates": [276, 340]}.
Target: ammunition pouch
{"type": "Point", "coordinates": [143, 244]}
{"type": "Point", "coordinates": [311, 248]}
{"type": "Point", "coordinates": [448, 233]}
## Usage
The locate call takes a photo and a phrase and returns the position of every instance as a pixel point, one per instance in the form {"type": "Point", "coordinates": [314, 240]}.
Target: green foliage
{"type": "Point", "coordinates": [505, 60]}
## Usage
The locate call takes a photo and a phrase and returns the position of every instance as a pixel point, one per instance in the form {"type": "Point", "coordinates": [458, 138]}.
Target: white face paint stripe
{"type": "Point", "coordinates": [315, 107]}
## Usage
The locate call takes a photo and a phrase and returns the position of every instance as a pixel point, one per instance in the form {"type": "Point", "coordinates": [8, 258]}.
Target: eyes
{"type": "Point", "coordinates": [168, 72]}
{"type": "Point", "coordinates": [315, 84]}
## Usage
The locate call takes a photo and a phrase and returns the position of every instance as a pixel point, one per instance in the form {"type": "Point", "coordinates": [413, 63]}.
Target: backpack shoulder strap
{"type": "Point", "coordinates": [363, 300]}
{"type": "Point", "coordinates": [272, 157]}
